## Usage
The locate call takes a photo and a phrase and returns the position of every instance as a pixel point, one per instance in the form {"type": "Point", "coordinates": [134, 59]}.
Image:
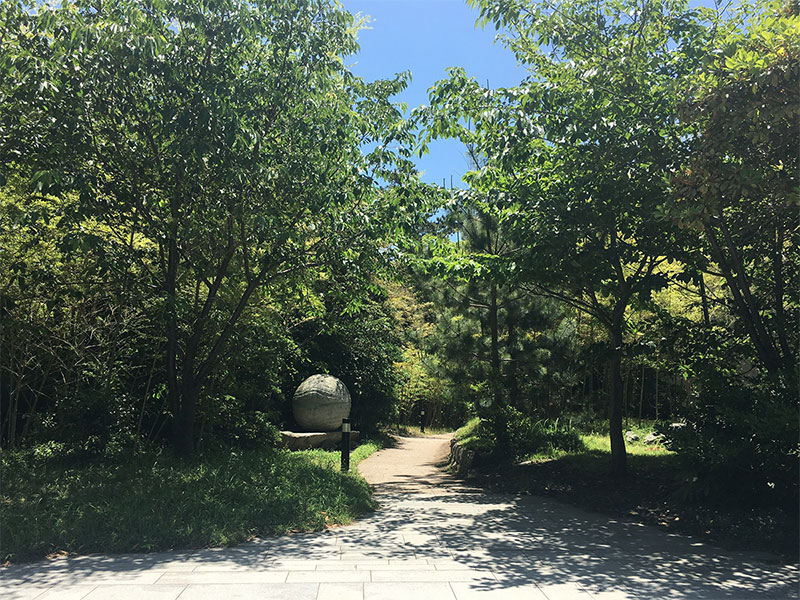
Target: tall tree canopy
{"type": "Point", "coordinates": [739, 189]}
{"type": "Point", "coordinates": [211, 151]}
{"type": "Point", "coordinates": [579, 153]}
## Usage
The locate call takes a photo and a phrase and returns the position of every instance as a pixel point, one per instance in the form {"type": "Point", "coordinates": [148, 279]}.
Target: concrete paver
{"type": "Point", "coordinates": [341, 591]}
{"type": "Point", "coordinates": [328, 576]}
{"type": "Point", "coordinates": [431, 539]}
{"type": "Point", "coordinates": [410, 591]}
{"type": "Point", "coordinates": [75, 592]}
{"type": "Point", "coordinates": [473, 591]}
{"type": "Point", "coordinates": [135, 592]}
{"type": "Point", "coordinates": [251, 591]}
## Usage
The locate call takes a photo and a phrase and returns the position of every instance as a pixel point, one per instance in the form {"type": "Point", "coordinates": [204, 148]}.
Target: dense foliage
{"type": "Point", "coordinates": [190, 224]}
{"type": "Point", "coordinates": [200, 205]}
{"type": "Point", "coordinates": [644, 177]}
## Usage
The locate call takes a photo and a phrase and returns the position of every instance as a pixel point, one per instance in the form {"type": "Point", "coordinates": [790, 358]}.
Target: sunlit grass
{"type": "Point", "coordinates": [469, 436]}
{"type": "Point", "coordinates": [601, 443]}
{"type": "Point", "coordinates": [416, 431]}
{"type": "Point", "coordinates": [594, 436]}
{"type": "Point", "coordinates": [152, 501]}
{"type": "Point", "coordinates": [332, 460]}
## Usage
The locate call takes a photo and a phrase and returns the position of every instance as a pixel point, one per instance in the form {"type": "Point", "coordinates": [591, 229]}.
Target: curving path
{"type": "Point", "coordinates": [432, 538]}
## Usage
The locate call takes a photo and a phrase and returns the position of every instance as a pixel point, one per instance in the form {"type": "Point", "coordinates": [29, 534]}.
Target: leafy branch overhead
{"type": "Point", "coordinates": [220, 145]}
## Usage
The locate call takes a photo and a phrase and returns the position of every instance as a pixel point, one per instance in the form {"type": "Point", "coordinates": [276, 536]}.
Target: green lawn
{"type": "Point", "coordinates": [153, 501]}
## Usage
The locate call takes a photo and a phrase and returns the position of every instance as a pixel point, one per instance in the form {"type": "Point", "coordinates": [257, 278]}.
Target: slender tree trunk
{"type": "Point", "coordinates": [656, 394]}
{"type": "Point", "coordinates": [626, 391]}
{"type": "Point", "coordinates": [183, 432]}
{"type": "Point", "coordinates": [500, 425]}
{"type": "Point", "coordinates": [170, 287]}
{"type": "Point", "coordinates": [13, 412]}
{"type": "Point", "coordinates": [619, 459]}
{"type": "Point", "coordinates": [495, 349]}
{"type": "Point", "coordinates": [641, 396]}
{"type": "Point", "coordinates": [144, 399]}
{"type": "Point", "coordinates": [788, 354]}
{"type": "Point", "coordinates": [737, 281]}
{"type": "Point", "coordinates": [37, 394]}
{"type": "Point", "coordinates": [583, 387]}
{"type": "Point", "coordinates": [670, 391]}
{"type": "Point", "coordinates": [514, 395]}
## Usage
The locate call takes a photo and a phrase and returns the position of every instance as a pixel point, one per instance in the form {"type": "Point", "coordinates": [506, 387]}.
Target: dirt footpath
{"type": "Point", "coordinates": [414, 464]}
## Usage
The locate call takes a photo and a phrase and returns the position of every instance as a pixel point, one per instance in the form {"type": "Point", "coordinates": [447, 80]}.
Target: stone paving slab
{"type": "Point", "coordinates": [252, 591]}
{"type": "Point", "coordinates": [341, 591]}
{"type": "Point", "coordinates": [410, 591]}
{"type": "Point", "coordinates": [328, 576]}
{"type": "Point", "coordinates": [215, 577]}
{"type": "Point", "coordinates": [472, 591]}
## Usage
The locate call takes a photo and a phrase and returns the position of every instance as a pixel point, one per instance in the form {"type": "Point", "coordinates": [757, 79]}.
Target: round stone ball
{"type": "Point", "coordinates": [320, 403]}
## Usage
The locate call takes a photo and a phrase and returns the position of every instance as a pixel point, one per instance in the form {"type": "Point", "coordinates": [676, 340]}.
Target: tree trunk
{"type": "Point", "coordinates": [619, 459]}
{"type": "Point", "coordinates": [641, 396]}
{"type": "Point", "coordinates": [514, 395]}
{"type": "Point", "coordinates": [704, 301]}
{"type": "Point", "coordinates": [183, 432]}
{"type": "Point", "coordinates": [656, 394]}
{"type": "Point", "coordinates": [788, 354]}
{"type": "Point", "coordinates": [735, 277]}
{"type": "Point", "coordinates": [502, 448]}
{"type": "Point", "coordinates": [495, 349]}
{"type": "Point", "coordinates": [626, 391]}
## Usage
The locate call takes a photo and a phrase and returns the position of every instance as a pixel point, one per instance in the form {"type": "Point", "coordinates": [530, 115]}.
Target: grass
{"type": "Point", "coordinates": [469, 436]}
{"type": "Point", "coordinates": [416, 431]}
{"type": "Point", "coordinates": [332, 460]}
{"type": "Point", "coordinates": [152, 501]}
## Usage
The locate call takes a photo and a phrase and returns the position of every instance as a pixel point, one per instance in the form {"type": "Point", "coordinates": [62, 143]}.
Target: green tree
{"type": "Point", "coordinates": [739, 189]}
{"type": "Point", "coordinates": [221, 141]}
{"type": "Point", "coordinates": [580, 152]}
{"type": "Point", "coordinates": [485, 330]}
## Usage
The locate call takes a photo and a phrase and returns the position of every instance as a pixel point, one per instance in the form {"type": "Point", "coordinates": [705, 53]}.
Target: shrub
{"type": "Point", "coordinates": [525, 436]}
{"type": "Point", "coordinates": [229, 424]}
{"type": "Point", "coordinates": [738, 443]}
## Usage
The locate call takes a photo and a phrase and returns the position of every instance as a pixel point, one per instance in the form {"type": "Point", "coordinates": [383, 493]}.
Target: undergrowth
{"type": "Point", "coordinates": [152, 501]}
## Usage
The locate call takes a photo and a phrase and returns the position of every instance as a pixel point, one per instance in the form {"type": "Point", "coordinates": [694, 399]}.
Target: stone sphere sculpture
{"type": "Point", "coordinates": [320, 403]}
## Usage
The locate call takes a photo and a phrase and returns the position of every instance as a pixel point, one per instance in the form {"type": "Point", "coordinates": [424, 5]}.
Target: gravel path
{"type": "Point", "coordinates": [431, 539]}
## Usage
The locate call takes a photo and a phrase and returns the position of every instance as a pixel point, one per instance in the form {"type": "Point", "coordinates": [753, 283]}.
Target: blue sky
{"type": "Point", "coordinates": [426, 37]}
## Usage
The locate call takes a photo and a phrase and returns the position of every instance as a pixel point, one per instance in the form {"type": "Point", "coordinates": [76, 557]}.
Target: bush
{"type": "Point", "coordinates": [525, 436]}
{"type": "Point", "coordinates": [738, 443]}
{"type": "Point", "coordinates": [231, 425]}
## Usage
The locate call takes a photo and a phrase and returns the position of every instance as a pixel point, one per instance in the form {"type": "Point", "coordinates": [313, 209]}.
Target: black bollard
{"type": "Point", "coordinates": [422, 421]}
{"type": "Point", "coordinates": [345, 445]}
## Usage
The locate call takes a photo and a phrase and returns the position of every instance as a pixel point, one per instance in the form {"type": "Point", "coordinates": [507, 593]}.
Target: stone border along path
{"type": "Point", "coordinates": [432, 538]}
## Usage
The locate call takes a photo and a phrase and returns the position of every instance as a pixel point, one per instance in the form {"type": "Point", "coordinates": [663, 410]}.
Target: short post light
{"type": "Point", "coordinates": [345, 445]}
{"type": "Point", "coordinates": [422, 420]}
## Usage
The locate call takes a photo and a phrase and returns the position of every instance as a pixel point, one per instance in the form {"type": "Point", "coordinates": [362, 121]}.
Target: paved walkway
{"type": "Point", "coordinates": [431, 539]}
